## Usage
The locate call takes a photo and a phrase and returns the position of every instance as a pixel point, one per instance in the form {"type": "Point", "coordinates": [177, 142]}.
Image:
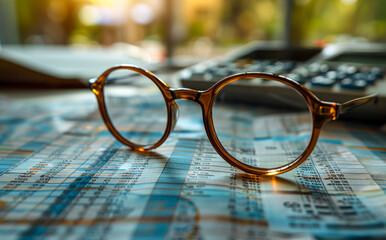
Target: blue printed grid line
{"type": "Point", "coordinates": [16, 157]}
{"type": "Point", "coordinates": [67, 196]}
{"type": "Point", "coordinates": [165, 195]}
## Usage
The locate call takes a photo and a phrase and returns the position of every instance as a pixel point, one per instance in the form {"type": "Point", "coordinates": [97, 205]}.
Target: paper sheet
{"type": "Point", "coordinates": [63, 176]}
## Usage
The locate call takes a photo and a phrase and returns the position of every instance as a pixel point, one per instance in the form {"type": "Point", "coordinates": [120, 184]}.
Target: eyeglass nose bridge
{"type": "Point", "coordinates": [185, 94]}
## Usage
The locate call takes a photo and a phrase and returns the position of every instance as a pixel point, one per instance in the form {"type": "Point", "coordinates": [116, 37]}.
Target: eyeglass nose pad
{"type": "Point", "coordinates": [174, 114]}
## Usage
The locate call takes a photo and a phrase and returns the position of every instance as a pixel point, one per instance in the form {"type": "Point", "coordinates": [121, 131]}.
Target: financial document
{"type": "Point", "coordinates": [64, 176]}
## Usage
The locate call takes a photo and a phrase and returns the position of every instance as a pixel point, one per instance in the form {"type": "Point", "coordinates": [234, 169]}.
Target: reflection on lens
{"type": "Point", "coordinates": [268, 130]}
{"type": "Point", "coordinates": [135, 107]}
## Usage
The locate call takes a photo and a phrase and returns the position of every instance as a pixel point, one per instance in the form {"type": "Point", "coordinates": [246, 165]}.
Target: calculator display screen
{"type": "Point", "coordinates": [373, 58]}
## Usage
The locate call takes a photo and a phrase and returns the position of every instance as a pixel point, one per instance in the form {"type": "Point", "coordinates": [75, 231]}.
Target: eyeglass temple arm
{"type": "Point", "coordinates": [91, 81]}
{"type": "Point", "coordinates": [112, 79]}
{"type": "Point", "coordinates": [347, 106]}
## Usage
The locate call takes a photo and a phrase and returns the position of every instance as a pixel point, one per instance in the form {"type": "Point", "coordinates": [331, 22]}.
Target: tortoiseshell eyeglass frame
{"type": "Point", "coordinates": [321, 112]}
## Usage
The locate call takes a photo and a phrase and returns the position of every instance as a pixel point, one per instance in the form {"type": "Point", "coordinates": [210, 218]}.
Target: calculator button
{"type": "Point", "coordinates": [321, 81]}
{"type": "Point", "coordinates": [377, 71]}
{"type": "Point", "coordinates": [354, 84]}
{"type": "Point", "coordinates": [296, 77]}
{"type": "Point", "coordinates": [332, 75]}
{"type": "Point", "coordinates": [369, 78]}
{"type": "Point", "coordinates": [351, 70]}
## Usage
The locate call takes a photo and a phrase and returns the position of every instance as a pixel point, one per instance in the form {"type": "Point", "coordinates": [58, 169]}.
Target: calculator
{"type": "Point", "coordinates": [336, 73]}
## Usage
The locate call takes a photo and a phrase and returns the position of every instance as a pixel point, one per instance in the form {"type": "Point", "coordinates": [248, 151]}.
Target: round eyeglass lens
{"type": "Point", "coordinates": [265, 127]}
{"type": "Point", "coordinates": [135, 106]}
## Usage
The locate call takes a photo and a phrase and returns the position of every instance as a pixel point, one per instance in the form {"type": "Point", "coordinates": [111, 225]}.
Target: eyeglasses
{"type": "Point", "coordinates": [272, 134]}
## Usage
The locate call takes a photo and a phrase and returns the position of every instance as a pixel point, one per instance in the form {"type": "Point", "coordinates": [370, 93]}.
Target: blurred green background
{"type": "Point", "coordinates": [198, 27]}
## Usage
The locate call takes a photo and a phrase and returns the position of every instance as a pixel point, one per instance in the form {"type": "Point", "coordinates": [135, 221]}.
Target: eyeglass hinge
{"type": "Point", "coordinates": [95, 88]}
{"type": "Point", "coordinates": [327, 110]}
